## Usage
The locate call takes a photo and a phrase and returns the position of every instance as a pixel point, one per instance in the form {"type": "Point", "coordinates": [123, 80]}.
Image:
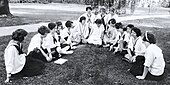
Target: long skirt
{"type": "Point", "coordinates": [37, 55]}
{"type": "Point", "coordinates": [32, 67]}
{"type": "Point", "coordinates": [137, 67]}
{"type": "Point", "coordinates": [149, 76]}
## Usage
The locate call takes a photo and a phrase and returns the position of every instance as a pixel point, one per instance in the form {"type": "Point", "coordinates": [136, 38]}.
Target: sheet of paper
{"type": "Point", "coordinates": [60, 61]}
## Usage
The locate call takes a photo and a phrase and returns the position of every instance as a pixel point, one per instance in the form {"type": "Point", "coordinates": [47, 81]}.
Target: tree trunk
{"type": "Point", "coordinates": [133, 3]}
{"type": "Point", "coordinates": [4, 8]}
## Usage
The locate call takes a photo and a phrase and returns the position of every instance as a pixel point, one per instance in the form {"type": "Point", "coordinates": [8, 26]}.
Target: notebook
{"type": "Point", "coordinates": [60, 61]}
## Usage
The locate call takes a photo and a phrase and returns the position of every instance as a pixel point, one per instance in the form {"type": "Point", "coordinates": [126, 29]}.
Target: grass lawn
{"type": "Point", "coordinates": [91, 65]}
{"type": "Point", "coordinates": [34, 13]}
{"type": "Point", "coordinates": [52, 16]}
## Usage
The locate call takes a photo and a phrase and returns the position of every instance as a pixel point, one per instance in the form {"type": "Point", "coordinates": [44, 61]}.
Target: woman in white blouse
{"type": "Point", "coordinates": [97, 33]}
{"type": "Point", "coordinates": [137, 59]}
{"type": "Point", "coordinates": [36, 46]}
{"type": "Point", "coordinates": [17, 63]}
{"type": "Point", "coordinates": [81, 31]}
{"type": "Point", "coordinates": [110, 34]}
{"type": "Point", "coordinates": [88, 15]}
{"type": "Point", "coordinates": [138, 47]}
{"type": "Point", "coordinates": [67, 34]}
{"type": "Point", "coordinates": [154, 62]}
{"type": "Point", "coordinates": [52, 43]}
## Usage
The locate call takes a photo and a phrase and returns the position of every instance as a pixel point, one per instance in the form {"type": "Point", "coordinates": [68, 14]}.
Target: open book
{"type": "Point", "coordinates": [60, 61]}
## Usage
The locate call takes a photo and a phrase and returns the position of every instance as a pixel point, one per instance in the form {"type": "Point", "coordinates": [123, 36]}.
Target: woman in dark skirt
{"type": "Point", "coordinates": [137, 59]}
{"type": "Point", "coordinates": [154, 62]}
{"type": "Point", "coordinates": [17, 63]}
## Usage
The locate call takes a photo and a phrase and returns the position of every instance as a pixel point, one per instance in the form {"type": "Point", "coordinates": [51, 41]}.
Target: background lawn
{"type": "Point", "coordinates": [34, 13]}
{"type": "Point", "coordinates": [92, 65]}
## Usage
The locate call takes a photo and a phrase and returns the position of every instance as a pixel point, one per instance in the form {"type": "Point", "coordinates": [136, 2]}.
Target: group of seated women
{"type": "Point", "coordinates": [96, 28]}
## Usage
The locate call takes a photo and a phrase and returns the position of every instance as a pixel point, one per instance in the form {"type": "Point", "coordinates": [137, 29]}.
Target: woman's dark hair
{"type": "Point", "coordinates": [118, 25]}
{"type": "Point", "coordinates": [113, 21]}
{"type": "Point", "coordinates": [51, 25]}
{"type": "Point", "coordinates": [82, 18]}
{"type": "Point", "coordinates": [130, 26]}
{"type": "Point", "coordinates": [88, 8]}
{"type": "Point", "coordinates": [19, 35]}
{"type": "Point", "coordinates": [137, 31]}
{"type": "Point", "coordinates": [124, 29]}
{"type": "Point", "coordinates": [43, 29]}
{"type": "Point", "coordinates": [58, 23]}
{"type": "Point", "coordinates": [68, 23]}
{"type": "Point", "coordinates": [98, 21]}
{"type": "Point", "coordinates": [149, 37]}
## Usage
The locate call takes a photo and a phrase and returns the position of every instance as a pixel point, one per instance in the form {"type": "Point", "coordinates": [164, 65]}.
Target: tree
{"type": "Point", "coordinates": [4, 8]}
{"type": "Point", "coordinates": [132, 7]}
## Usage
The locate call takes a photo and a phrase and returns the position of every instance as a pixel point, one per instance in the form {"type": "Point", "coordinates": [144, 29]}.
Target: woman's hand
{"type": "Point", "coordinates": [49, 58]}
{"type": "Point", "coordinates": [140, 77]}
{"type": "Point", "coordinates": [145, 71]}
{"type": "Point", "coordinates": [8, 78]}
{"type": "Point", "coordinates": [133, 59]}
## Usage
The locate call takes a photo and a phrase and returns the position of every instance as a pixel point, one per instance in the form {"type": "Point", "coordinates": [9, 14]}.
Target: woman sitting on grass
{"type": "Point", "coordinates": [131, 39]}
{"type": "Point", "coordinates": [115, 42]}
{"type": "Point", "coordinates": [17, 63]}
{"type": "Point", "coordinates": [138, 47]}
{"type": "Point", "coordinates": [66, 34]}
{"type": "Point", "coordinates": [97, 33]}
{"type": "Point", "coordinates": [154, 62]}
{"type": "Point", "coordinates": [126, 40]}
{"type": "Point", "coordinates": [53, 45]}
{"type": "Point", "coordinates": [88, 15]}
{"type": "Point", "coordinates": [110, 33]}
{"type": "Point", "coordinates": [81, 31]}
{"type": "Point", "coordinates": [122, 42]}
{"type": "Point", "coordinates": [137, 59]}
{"type": "Point", "coordinates": [69, 34]}
{"type": "Point", "coordinates": [37, 45]}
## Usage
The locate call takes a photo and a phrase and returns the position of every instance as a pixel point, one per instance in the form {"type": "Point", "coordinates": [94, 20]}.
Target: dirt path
{"type": "Point", "coordinates": [33, 27]}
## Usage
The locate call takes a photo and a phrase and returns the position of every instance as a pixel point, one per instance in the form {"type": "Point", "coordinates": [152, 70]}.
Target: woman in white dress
{"type": "Point", "coordinates": [81, 31]}
{"type": "Point", "coordinates": [110, 34]}
{"type": "Point", "coordinates": [96, 34]}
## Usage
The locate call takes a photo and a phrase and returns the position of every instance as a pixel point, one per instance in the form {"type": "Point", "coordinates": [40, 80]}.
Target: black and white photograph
{"type": "Point", "coordinates": [84, 42]}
